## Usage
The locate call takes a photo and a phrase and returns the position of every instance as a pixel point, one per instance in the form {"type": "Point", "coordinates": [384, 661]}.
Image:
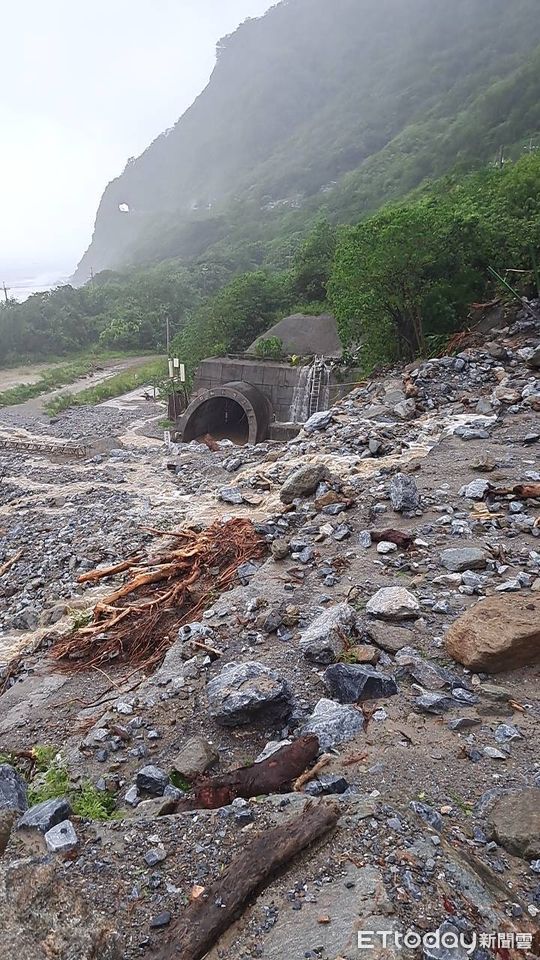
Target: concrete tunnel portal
{"type": "Point", "coordinates": [237, 411]}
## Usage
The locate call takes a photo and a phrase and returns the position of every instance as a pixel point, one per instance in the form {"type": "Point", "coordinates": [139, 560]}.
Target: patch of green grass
{"type": "Point", "coordinates": [53, 783]}
{"type": "Point", "coordinates": [149, 373]}
{"type": "Point", "coordinates": [80, 618]}
{"type": "Point", "coordinates": [180, 782]}
{"type": "Point", "coordinates": [51, 780]}
{"type": "Point", "coordinates": [90, 803]}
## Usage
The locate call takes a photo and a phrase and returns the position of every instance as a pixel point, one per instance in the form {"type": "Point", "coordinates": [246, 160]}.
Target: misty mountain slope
{"type": "Point", "coordinates": [326, 105]}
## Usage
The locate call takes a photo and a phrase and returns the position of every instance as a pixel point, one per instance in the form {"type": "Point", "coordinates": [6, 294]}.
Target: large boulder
{"type": "Point", "coordinates": [248, 691]}
{"type": "Point", "coordinates": [325, 639]}
{"type": "Point", "coordinates": [302, 482]}
{"type": "Point", "coordinates": [12, 789]}
{"type": "Point", "coordinates": [393, 603]}
{"type": "Point", "coordinates": [498, 633]}
{"type": "Point", "coordinates": [515, 823]}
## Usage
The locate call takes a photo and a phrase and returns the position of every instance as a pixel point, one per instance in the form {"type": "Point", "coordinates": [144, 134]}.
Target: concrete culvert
{"type": "Point", "coordinates": [237, 411]}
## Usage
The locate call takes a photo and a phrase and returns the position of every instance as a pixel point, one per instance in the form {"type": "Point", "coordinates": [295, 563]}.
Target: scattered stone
{"type": "Point", "coordinates": [389, 638]}
{"type": "Point", "coordinates": [476, 490]}
{"type": "Point", "coordinates": [333, 724]}
{"type": "Point", "coordinates": [195, 757]}
{"type": "Point", "coordinates": [232, 495]}
{"type": "Point", "coordinates": [302, 482]}
{"type": "Point", "coordinates": [364, 653]}
{"type": "Point", "coordinates": [61, 838]}
{"type": "Point", "coordinates": [428, 815]}
{"type": "Point", "coordinates": [459, 559]}
{"type": "Point", "coordinates": [326, 638]}
{"type": "Point", "coordinates": [384, 547]}
{"type": "Point", "coordinates": [463, 723]}
{"type": "Point", "coordinates": [248, 691]}
{"type": "Point", "coordinates": [45, 815]}
{"type": "Point", "coordinates": [351, 683]}
{"type": "Point", "coordinates": [506, 732]}
{"type": "Point", "coordinates": [515, 823]}
{"type": "Point", "coordinates": [326, 785]}
{"type": "Point", "coordinates": [161, 920]}
{"type": "Point", "coordinates": [152, 780]}
{"type": "Point", "coordinates": [280, 549]}
{"type": "Point", "coordinates": [404, 494]}
{"type": "Point", "coordinates": [406, 410]}
{"type": "Point", "coordinates": [433, 703]}
{"type": "Point", "coordinates": [497, 633]}
{"type": "Point", "coordinates": [13, 789]}
{"type": "Point", "coordinates": [155, 856]}
{"type": "Point", "coordinates": [393, 603]}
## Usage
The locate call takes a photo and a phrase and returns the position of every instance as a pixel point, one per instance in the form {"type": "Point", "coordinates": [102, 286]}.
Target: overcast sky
{"type": "Point", "coordinates": [85, 84]}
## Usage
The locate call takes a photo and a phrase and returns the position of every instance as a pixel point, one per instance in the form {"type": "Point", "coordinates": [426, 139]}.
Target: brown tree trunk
{"type": "Point", "coordinates": [211, 914]}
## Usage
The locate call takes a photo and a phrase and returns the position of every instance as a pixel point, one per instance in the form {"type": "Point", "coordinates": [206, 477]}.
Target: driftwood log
{"type": "Point", "coordinates": [278, 771]}
{"type": "Point", "coordinates": [211, 914]}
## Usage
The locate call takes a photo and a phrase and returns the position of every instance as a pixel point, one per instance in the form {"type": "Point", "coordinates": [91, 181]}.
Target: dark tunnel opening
{"type": "Point", "coordinates": [221, 418]}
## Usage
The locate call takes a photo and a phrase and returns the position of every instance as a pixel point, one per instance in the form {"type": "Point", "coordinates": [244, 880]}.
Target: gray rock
{"type": "Point", "coordinates": [433, 703]}
{"type": "Point", "coordinates": [427, 814]}
{"type": "Point", "coordinates": [152, 780]}
{"type": "Point", "coordinates": [406, 410]}
{"type": "Point", "coordinates": [404, 494]}
{"type": "Point", "coordinates": [12, 789]}
{"type": "Point", "coordinates": [475, 490]}
{"type": "Point", "coordinates": [515, 823]}
{"type": "Point", "coordinates": [389, 637]}
{"type": "Point", "coordinates": [460, 559]}
{"type": "Point", "coordinates": [463, 723]}
{"type": "Point", "coordinates": [333, 723]}
{"type": "Point", "coordinates": [61, 838]}
{"type": "Point", "coordinates": [45, 815]}
{"type": "Point", "coordinates": [446, 944]}
{"type": "Point", "coordinates": [302, 482]}
{"type": "Point", "coordinates": [248, 691]}
{"type": "Point", "coordinates": [393, 603]}
{"type": "Point", "coordinates": [326, 785]}
{"type": "Point", "coordinates": [195, 757]}
{"type": "Point", "coordinates": [280, 549]}
{"type": "Point", "coordinates": [506, 732]}
{"type": "Point", "coordinates": [534, 360]}
{"type": "Point", "coordinates": [352, 683]}
{"type": "Point", "coordinates": [232, 495]}
{"type": "Point", "coordinates": [325, 639]}
{"type": "Point", "coordinates": [319, 421]}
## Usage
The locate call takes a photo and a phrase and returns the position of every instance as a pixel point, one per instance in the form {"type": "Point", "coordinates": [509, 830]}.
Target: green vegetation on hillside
{"type": "Point", "coordinates": [407, 273]}
{"type": "Point", "coordinates": [324, 108]}
{"type": "Point", "coordinates": [412, 269]}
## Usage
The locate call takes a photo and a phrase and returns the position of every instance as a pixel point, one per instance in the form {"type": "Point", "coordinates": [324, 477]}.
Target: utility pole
{"type": "Point", "coordinates": [168, 337]}
{"type": "Point", "coordinates": [6, 294]}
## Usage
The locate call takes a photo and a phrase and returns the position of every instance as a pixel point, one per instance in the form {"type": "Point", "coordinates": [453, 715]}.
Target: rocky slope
{"type": "Point", "coordinates": [316, 106]}
{"type": "Point", "coordinates": [395, 616]}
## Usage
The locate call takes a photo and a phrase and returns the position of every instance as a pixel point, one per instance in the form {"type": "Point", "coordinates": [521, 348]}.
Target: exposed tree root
{"type": "Point", "coordinates": [137, 622]}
